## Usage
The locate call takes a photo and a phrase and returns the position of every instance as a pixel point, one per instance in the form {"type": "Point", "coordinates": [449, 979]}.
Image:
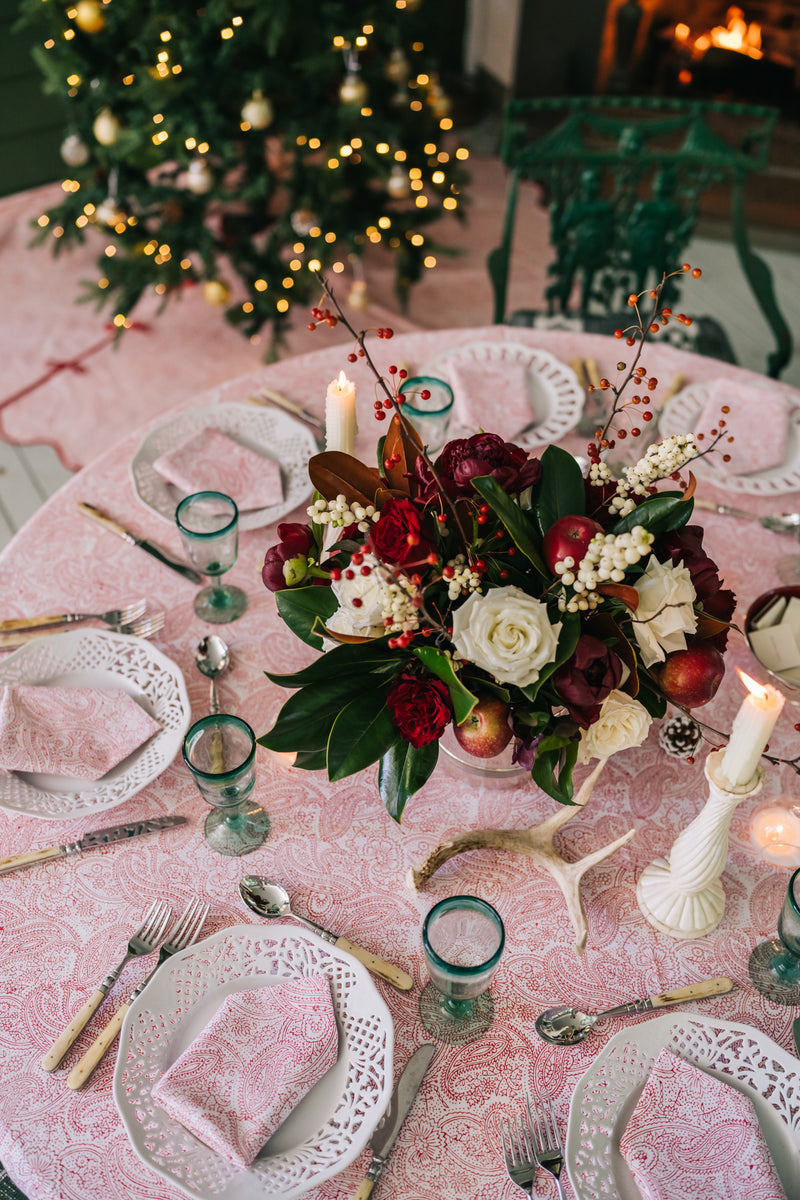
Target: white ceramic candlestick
{"type": "Point", "coordinates": [682, 895]}
{"type": "Point", "coordinates": [340, 415]}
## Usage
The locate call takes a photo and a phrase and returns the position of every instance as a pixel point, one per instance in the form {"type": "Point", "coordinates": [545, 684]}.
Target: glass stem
{"type": "Point", "coordinates": [457, 1010]}
{"type": "Point", "coordinates": [786, 966]}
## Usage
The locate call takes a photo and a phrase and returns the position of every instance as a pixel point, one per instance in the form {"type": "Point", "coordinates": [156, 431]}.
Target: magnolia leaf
{"type": "Point", "coordinates": [404, 769]}
{"type": "Point", "coordinates": [361, 734]}
{"type": "Point", "coordinates": [659, 514]}
{"type": "Point", "coordinates": [301, 608]}
{"type": "Point", "coordinates": [691, 487]}
{"type": "Point", "coordinates": [561, 491]}
{"type": "Point", "coordinates": [463, 700]}
{"type": "Point", "coordinates": [311, 760]}
{"type": "Point", "coordinates": [405, 443]}
{"type": "Point", "coordinates": [344, 639]}
{"type": "Point", "coordinates": [371, 659]}
{"type": "Point", "coordinates": [512, 518]}
{"type": "Point", "coordinates": [334, 473]}
{"type": "Point", "coordinates": [552, 767]}
{"type": "Point", "coordinates": [307, 717]}
{"type": "Point", "coordinates": [620, 591]}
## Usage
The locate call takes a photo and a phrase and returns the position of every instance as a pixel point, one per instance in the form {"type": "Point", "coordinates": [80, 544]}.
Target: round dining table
{"type": "Point", "coordinates": [345, 862]}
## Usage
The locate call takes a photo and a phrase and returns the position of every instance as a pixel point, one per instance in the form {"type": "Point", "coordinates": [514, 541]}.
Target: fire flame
{"type": "Point", "coordinates": [342, 380]}
{"type": "Point", "coordinates": [737, 35]}
{"type": "Point", "coordinates": [753, 686]}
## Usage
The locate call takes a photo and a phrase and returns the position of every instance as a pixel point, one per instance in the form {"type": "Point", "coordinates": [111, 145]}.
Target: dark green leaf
{"type": "Point", "coordinates": [652, 699]}
{"type": "Point", "coordinates": [362, 659]}
{"type": "Point", "coordinates": [560, 492]}
{"type": "Point", "coordinates": [307, 717]}
{"type": "Point", "coordinates": [300, 608]}
{"type": "Point", "coordinates": [567, 641]}
{"type": "Point", "coordinates": [515, 522]}
{"type": "Point", "coordinates": [403, 771]}
{"type": "Point", "coordinates": [552, 767]}
{"type": "Point", "coordinates": [659, 514]}
{"type": "Point", "coordinates": [361, 734]}
{"type": "Point", "coordinates": [440, 665]}
{"type": "Point", "coordinates": [311, 760]}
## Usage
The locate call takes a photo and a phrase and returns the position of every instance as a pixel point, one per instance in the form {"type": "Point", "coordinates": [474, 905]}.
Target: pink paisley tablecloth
{"type": "Point", "coordinates": [344, 860]}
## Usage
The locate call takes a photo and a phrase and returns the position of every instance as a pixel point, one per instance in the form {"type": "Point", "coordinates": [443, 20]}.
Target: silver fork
{"type": "Point", "coordinates": [519, 1153]}
{"type": "Point", "coordinates": [143, 941]}
{"type": "Point", "coordinates": [114, 616]}
{"type": "Point", "coordinates": [184, 933]}
{"type": "Point", "coordinates": [144, 627]}
{"type": "Point", "coordinates": [546, 1138]}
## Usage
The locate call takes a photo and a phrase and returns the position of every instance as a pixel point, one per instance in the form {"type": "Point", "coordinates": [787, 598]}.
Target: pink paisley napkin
{"type": "Point", "coordinates": [493, 397]}
{"type": "Point", "coordinates": [694, 1137]}
{"type": "Point", "coordinates": [758, 421]}
{"type": "Point", "coordinates": [252, 1064]}
{"type": "Point", "coordinates": [211, 461]}
{"type": "Point", "coordinates": [78, 732]}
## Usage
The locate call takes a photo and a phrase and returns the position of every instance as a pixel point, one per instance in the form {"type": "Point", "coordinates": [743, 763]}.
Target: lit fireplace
{"type": "Point", "coordinates": [738, 35]}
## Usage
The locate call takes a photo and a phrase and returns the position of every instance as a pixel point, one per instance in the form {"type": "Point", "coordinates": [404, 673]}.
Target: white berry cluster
{"type": "Point", "coordinates": [338, 513]}
{"type": "Point", "coordinates": [608, 557]}
{"type": "Point", "coordinates": [599, 474]}
{"type": "Point", "coordinates": [400, 600]}
{"type": "Point", "coordinates": [661, 460]}
{"type": "Point", "coordinates": [464, 578]}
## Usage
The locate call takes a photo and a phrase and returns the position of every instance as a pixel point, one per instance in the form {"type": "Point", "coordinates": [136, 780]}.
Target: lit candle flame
{"type": "Point", "coordinates": [753, 686]}
{"type": "Point", "coordinates": [342, 380]}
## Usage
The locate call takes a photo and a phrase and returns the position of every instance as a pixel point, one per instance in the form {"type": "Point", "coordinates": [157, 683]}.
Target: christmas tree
{"type": "Point", "coordinates": [246, 144]}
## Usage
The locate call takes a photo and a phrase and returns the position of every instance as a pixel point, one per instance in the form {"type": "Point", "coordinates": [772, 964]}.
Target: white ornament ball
{"type": "Point", "coordinates": [258, 111]}
{"type": "Point", "coordinates": [106, 127]}
{"type": "Point", "coordinates": [357, 297]}
{"type": "Point", "coordinates": [353, 90]}
{"type": "Point", "coordinates": [303, 220]}
{"type": "Point", "coordinates": [397, 184]}
{"type": "Point", "coordinates": [109, 212]}
{"type": "Point", "coordinates": [199, 177]}
{"type": "Point", "coordinates": [74, 151]}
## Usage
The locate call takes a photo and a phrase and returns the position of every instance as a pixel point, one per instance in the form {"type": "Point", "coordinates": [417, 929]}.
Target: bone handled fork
{"type": "Point", "coordinates": [184, 934]}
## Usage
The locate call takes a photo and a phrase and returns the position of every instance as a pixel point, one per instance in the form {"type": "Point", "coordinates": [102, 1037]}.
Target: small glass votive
{"type": "Point", "coordinates": [775, 831]}
{"type": "Point", "coordinates": [430, 416]}
{"type": "Point", "coordinates": [220, 752]}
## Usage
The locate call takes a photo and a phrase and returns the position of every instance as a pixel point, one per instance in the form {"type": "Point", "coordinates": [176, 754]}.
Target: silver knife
{"type": "Point", "coordinates": [164, 556]}
{"type": "Point", "coordinates": [403, 1096]}
{"type": "Point", "coordinates": [98, 837]}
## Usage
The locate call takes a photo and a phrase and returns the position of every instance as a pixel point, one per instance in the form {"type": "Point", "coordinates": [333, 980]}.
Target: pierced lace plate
{"type": "Point", "coordinates": [606, 1096]}
{"type": "Point", "coordinates": [680, 415]}
{"type": "Point", "coordinates": [332, 1124]}
{"type": "Point", "coordinates": [555, 395]}
{"type": "Point", "coordinates": [268, 431]}
{"type": "Point", "coordinates": [97, 658]}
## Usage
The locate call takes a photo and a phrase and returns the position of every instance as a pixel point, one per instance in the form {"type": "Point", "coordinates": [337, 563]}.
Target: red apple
{"type": "Point", "coordinates": [486, 731]}
{"type": "Point", "coordinates": [691, 677]}
{"type": "Point", "coordinates": [569, 537]}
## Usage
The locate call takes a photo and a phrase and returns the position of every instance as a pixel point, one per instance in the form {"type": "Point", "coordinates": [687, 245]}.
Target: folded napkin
{"type": "Point", "coordinates": [492, 396]}
{"type": "Point", "coordinates": [252, 1064]}
{"type": "Point", "coordinates": [758, 421]}
{"type": "Point", "coordinates": [77, 732]}
{"type": "Point", "coordinates": [694, 1137]}
{"type": "Point", "coordinates": [210, 461]}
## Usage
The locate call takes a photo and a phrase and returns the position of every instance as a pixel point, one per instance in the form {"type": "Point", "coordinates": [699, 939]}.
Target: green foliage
{"type": "Point", "coordinates": [302, 607]}
{"type": "Point", "coordinates": [659, 514]}
{"type": "Point", "coordinates": [561, 491]}
{"type": "Point", "coordinates": [403, 771]}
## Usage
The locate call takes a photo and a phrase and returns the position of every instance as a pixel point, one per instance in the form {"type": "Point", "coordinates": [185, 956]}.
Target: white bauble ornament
{"type": "Point", "coordinates": [257, 112]}
{"type": "Point", "coordinates": [109, 212]}
{"type": "Point", "coordinates": [353, 90]}
{"type": "Point", "coordinates": [397, 68]}
{"type": "Point", "coordinates": [216, 292]}
{"type": "Point", "coordinates": [89, 16]}
{"type": "Point", "coordinates": [397, 184]}
{"type": "Point", "coordinates": [106, 127]}
{"type": "Point", "coordinates": [303, 220]}
{"type": "Point", "coordinates": [74, 151]}
{"type": "Point", "coordinates": [357, 297]}
{"type": "Point", "coordinates": [199, 177]}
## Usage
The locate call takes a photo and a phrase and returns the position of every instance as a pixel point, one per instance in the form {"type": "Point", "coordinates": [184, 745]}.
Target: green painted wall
{"type": "Point", "coordinates": [31, 124]}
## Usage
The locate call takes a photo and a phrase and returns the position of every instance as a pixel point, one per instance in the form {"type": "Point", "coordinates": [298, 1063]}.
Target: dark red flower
{"type": "Point", "coordinates": [686, 546]}
{"type": "Point", "coordinates": [465, 459]}
{"type": "Point", "coordinates": [584, 682]}
{"type": "Point", "coordinates": [420, 707]}
{"type": "Point", "coordinates": [390, 535]}
{"type": "Point", "coordinates": [296, 541]}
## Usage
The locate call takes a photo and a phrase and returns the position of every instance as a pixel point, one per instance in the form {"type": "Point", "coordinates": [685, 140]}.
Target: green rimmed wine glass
{"type": "Point", "coordinates": [774, 965]}
{"type": "Point", "coordinates": [463, 938]}
{"type": "Point", "coordinates": [428, 406]}
{"type": "Point", "coordinates": [208, 523]}
{"type": "Point", "coordinates": [220, 752]}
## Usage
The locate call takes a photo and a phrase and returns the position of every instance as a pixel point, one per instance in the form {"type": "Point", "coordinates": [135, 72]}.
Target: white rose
{"type": "Point", "coordinates": [507, 633]}
{"type": "Point", "coordinates": [622, 724]}
{"type": "Point", "coordinates": [665, 613]}
{"type": "Point", "coordinates": [361, 600]}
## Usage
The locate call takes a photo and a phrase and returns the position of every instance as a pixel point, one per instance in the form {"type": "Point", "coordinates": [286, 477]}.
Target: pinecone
{"type": "Point", "coordinates": [679, 735]}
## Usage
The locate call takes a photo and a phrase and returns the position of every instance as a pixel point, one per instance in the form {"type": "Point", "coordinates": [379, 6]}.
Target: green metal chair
{"type": "Point", "coordinates": [624, 178]}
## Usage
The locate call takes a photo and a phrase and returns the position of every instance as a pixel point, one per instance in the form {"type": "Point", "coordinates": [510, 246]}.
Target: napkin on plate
{"type": "Point", "coordinates": [77, 732]}
{"type": "Point", "coordinates": [493, 397]}
{"type": "Point", "coordinates": [694, 1137]}
{"type": "Point", "coordinates": [210, 461]}
{"type": "Point", "coordinates": [259, 1055]}
{"type": "Point", "coordinates": [758, 421]}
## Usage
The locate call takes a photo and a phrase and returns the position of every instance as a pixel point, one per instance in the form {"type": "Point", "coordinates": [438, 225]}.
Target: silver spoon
{"type": "Point", "coordinates": [212, 657]}
{"type": "Point", "coordinates": [775, 522]}
{"type": "Point", "coordinates": [565, 1026]}
{"type": "Point", "coordinates": [268, 899]}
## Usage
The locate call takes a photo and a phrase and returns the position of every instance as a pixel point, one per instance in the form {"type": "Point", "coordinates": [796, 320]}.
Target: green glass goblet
{"type": "Point", "coordinates": [463, 938]}
{"type": "Point", "coordinates": [209, 526]}
{"type": "Point", "coordinates": [774, 966]}
{"type": "Point", "coordinates": [428, 413]}
{"type": "Point", "coordinates": [220, 752]}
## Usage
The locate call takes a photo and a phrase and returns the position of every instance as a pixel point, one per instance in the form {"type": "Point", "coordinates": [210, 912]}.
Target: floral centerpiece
{"type": "Point", "coordinates": [515, 599]}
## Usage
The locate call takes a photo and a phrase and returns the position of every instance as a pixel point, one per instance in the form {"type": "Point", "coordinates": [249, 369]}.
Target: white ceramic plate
{"type": "Point", "coordinates": [680, 415]}
{"type": "Point", "coordinates": [332, 1124]}
{"type": "Point", "coordinates": [269, 431]}
{"type": "Point", "coordinates": [606, 1096]}
{"type": "Point", "coordinates": [555, 395]}
{"type": "Point", "coordinates": [97, 658]}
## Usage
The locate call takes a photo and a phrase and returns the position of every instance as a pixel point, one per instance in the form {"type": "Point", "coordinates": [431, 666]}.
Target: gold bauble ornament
{"type": "Point", "coordinates": [397, 68]}
{"type": "Point", "coordinates": [106, 127]}
{"type": "Point", "coordinates": [89, 16]}
{"type": "Point", "coordinates": [357, 297]}
{"type": "Point", "coordinates": [109, 212]}
{"type": "Point", "coordinates": [216, 292]}
{"type": "Point", "coordinates": [258, 112]}
{"type": "Point", "coordinates": [353, 90]}
{"type": "Point", "coordinates": [74, 151]}
{"type": "Point", "coordinates": [199, 177]}
{"type": "Point", "coordinates": [397, 184]}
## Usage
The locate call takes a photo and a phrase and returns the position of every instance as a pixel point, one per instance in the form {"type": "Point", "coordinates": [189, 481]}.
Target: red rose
{"type": "Point", "coordinates": [420, 708]}
{"type": "Point", "coordinates": [389, 536]}
{"type": "Point", "coordinates": [464, 459]}
{"type": "Point", "coordinates": [584, 682]}
{"type": "Point", "coordinates": [296, 541]}
{"type": "Point", "coordinates": [686, 545]}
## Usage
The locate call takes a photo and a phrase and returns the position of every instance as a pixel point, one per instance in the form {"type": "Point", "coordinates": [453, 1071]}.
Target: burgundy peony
{"type": "Point", "coordinates": [465, 459]}
{"type": "Point", "coordinates": [420, 707]}
{"type": "Point", "coordinates": [686, 546]}
{"type": "Point", "coordinates": [389, 536]}
{"type": "Point", "coordinates": [296, 541]}
{"type": "Point", "coordinates": [584, 682]}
